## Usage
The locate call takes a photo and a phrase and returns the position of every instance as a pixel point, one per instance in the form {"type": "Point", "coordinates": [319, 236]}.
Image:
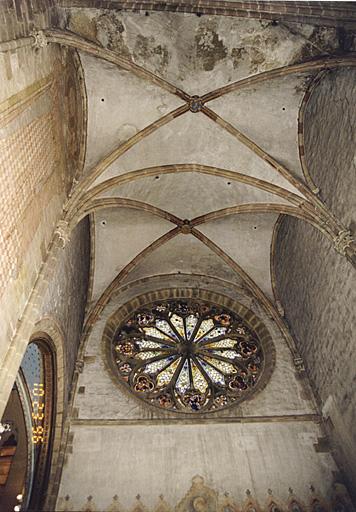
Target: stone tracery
{"type": "Point", "coordinates": [188, 356]}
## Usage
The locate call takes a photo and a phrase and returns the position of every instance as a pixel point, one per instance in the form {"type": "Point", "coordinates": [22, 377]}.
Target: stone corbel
{"type": "Point", "coordinates": [62, 232]}
{"type": "Point", "coordinates": [40, 39]}
{"type": "Point", "coordinates": [343, 240]}
{"type": "Point", "coordinates": [79, 366]}
{"type": "Point", "coordinates": [299, 364]}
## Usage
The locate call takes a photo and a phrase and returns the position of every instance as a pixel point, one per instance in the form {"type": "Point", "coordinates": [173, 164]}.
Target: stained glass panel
{"type": "Point", "coordinates": [156, 366]}
{"type": "Point", "coordinates": [188, 356]}
{"type": "Point", "coordinates": [225, 343]}
{"type": "Point", "coordinates": [230, 354]}
{"type": "Point", "coordinates": [148, 344]}
{"type": "Point", "coordinates": [215, 376]}
{"type": "Point", "coordinates": [164, 326]}
{"type": "Point", "coordinates": [199, 381]}
{"type": "Point", "coordinates": [225, 368]}
{"type": "Point", "coordinates": [205, 326]}
{"type": "Point", "coordinates": [218, 331]}
{"type": "Point", "coordinates": [148, 355]}
{"type": "Point", "coordinates": [183, 381]}
{"type": "Point", "coordinates": [190, 323]}
{"type": "Point", "coordinates": [155, 333]}
{"type": "Point", "coordinates": [166, 376]}
{"type": "Point", "coordinates": [178, 323]}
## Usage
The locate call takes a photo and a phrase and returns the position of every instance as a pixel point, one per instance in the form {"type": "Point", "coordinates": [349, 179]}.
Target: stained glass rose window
{"type": "Point", "coordinates": [188, 356]}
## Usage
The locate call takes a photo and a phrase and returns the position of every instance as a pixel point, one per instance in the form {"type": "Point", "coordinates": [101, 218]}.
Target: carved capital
{"type": "Point", "coordinates": [343, 240]}
{"type": "Point", "coordinates": [79, 366]}
{"type": "Point", "coordinates": [40, 40]}
{"type": "Point", "coordinates": [62, 232]}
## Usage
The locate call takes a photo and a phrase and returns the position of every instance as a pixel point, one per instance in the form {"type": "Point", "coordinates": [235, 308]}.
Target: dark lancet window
{"type": "Point", "coordinates": [37, 368]}
{"type": "Point", "coordinates": [25, 447]}
{"type": "Point", "coordinates": [188, 356]}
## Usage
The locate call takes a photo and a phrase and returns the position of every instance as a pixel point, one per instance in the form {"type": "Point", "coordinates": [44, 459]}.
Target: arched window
{"type": "Point", "coordinates": [29, 412]}
{"type": "Point", "coordinates": [38, 370]}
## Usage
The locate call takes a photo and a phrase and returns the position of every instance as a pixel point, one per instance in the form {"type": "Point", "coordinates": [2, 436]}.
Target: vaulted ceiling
{"type": "Point", "coordinates": [194, 142]}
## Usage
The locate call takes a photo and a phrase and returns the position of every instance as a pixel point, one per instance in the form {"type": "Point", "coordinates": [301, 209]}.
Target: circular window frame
{"type": "Point", "coordinates": [124, 312]}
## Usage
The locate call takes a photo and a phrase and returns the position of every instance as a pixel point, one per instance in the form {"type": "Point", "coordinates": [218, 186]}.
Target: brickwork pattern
{"type": "Point", "coordinates": [27, 159]}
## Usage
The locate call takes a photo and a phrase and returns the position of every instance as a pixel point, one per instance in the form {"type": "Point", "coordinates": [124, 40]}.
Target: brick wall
{"type": "Point", "coordinates": [317, 286]}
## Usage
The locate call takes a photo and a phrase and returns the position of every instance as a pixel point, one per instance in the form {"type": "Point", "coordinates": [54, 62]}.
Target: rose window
{"type": "Point", "coordinates": [188, 356]}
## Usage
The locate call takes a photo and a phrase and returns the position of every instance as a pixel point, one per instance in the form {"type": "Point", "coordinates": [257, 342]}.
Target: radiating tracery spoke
{"type": "Point", "coordinates": [188, 356]}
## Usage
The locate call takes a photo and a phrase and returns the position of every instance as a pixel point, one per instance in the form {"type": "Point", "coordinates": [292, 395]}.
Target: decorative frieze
{"type": "Point", "coordinates": [203, 498]}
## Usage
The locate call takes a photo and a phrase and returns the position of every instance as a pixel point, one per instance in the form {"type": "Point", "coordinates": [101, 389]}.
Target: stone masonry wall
{"type": "Point", "coordinates": [18, 18]}
{"type": "Point", "coordinates": [40, 135]}
{"type": "Point", "coordinates": [330, 133]}
{"type": "Point", "coordinates": [267, 444]}
{"type": "Point", "coordinates": [316, 285]}
{"type": "Point", "coordinates": [67, 293]}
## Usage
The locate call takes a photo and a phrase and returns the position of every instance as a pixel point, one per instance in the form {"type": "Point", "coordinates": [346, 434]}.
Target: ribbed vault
{"type": "Point", "coordinates": [189, 173]}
